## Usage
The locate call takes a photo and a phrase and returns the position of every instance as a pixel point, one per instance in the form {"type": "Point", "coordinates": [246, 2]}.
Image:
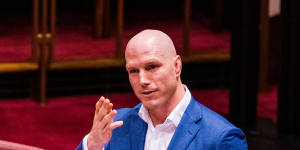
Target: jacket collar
{"type": "Point", "coordinates": [137, 130]}
{"type": "Point", "coordinates": [183, 136]}
{"type": "Point", "coordinates": [188, 127]}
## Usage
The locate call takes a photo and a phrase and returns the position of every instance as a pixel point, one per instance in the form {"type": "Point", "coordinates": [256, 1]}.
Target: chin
{"type": "Point", "coordinates": [150, 104]}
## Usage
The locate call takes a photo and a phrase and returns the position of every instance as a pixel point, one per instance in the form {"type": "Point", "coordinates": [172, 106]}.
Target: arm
{"type": "Point", "coordinates": [103, 125]}
{"type": "Point", "coordinates": [233, 139]}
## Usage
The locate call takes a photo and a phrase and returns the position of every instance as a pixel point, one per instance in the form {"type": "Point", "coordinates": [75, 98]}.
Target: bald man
{"type": "Point", "coordinates": [168, 117]}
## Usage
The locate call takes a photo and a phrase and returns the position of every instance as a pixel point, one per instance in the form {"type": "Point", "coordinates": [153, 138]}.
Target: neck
{"type": "Point", "coordinates": [158, 116]}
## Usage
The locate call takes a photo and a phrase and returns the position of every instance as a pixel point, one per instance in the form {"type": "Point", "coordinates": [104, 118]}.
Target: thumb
{"type": "Point", "coordinates": [116, 124]}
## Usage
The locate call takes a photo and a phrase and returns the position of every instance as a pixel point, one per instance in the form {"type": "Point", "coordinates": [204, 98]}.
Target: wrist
{"type": "Point", "coordinates": [94, 144]}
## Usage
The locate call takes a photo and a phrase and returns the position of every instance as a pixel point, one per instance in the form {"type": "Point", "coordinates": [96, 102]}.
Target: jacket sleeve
{"type": "Point", "coordinates": [80, 146]}
{"type": "Point", "coordinates": [233, 139]}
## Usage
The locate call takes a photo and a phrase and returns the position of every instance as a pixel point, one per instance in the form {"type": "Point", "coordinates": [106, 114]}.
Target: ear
{"type": "Point", "coordinates": [178, 65]}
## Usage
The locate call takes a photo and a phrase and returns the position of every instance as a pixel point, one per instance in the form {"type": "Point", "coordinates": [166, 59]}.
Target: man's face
{"type": "Point", "coordinates": [152, 75]}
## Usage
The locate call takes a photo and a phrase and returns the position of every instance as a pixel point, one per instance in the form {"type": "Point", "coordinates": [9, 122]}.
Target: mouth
{"type": "Point", "coordinates": [147, 92]}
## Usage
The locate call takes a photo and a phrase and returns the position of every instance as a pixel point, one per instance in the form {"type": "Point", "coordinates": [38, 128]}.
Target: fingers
{"type": "Point", "coordinates": [108, 119]}
{"type": "Point", "coordinates": [110, 106]}
{"type": "Point", "coordinates": [103, 122]}
{"type": "Point", "coordinates": [116, 124]}
{"type": "Point", "coordinates": [103, 107]}
{"type": "Point", "coordinates": [99, 103]}
{"type": "Point", "coordinates": [106, 106]}
{"type": "Point", "coordinates": [105, 115]}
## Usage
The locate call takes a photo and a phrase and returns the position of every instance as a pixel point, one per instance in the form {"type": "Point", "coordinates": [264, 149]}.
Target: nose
{"type": "Point", "coordinates": [144, 80]}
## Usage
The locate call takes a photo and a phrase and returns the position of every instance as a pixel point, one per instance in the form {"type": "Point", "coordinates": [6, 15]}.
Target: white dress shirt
{"type": "Point", "coordinates": [159, 137]}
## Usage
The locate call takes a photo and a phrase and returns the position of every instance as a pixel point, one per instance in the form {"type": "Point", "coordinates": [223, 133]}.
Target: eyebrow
{"type": "Point", "coordinates": [150, 61]}
{"type": "Point", "coordinates": [129, 67]}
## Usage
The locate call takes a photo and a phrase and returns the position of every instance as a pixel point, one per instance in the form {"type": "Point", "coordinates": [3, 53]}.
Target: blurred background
{"type": "Point", "coordinates": [58, 57]}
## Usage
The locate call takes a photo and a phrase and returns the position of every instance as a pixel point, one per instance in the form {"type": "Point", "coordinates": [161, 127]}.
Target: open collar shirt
{"type": "Point", "coordinates": [159, 137]}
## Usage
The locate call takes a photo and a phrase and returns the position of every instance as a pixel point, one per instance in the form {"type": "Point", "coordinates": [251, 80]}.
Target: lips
{"type": "Point", "coordinates": [147, 92]}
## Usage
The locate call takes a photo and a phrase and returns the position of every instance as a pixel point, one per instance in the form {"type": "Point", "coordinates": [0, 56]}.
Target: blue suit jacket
{"type": "Point", "coordinates": [200, 128]}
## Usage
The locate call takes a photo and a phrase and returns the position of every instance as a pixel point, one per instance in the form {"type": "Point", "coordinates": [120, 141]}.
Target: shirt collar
{"type": "Point", "coordinates": [175, 116]}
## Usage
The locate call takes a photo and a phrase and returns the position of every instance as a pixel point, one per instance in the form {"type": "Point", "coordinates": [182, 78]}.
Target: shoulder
{"type": "Point", "coordinates": [206, 116]}
{"type": "Point", "coordinates": [125, 113]}
{"type": "Point", "coordinates": [216, 130]}
{"type": "Point", "coordinates": [198, 112]}
{"type": "Point", "coordinates": [212, 118]}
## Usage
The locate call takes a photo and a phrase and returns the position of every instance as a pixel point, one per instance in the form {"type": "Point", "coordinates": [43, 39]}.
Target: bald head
{"type": "Point", "coordinates": [154, 72]}
{"type": "Point", "coordinates": [151, 40]}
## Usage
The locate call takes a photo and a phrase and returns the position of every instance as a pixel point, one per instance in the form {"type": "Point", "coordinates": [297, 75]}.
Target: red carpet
{"type": "Point", "coordinates": [65, 120]}
{"type": "Point", "coordinates": [74, 40]}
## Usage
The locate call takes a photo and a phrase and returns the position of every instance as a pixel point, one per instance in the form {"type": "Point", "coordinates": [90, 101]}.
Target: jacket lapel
{"type": "Point", "coordinates": [187, 128]}
{"type": "Point", "coordinates": [138, 130]}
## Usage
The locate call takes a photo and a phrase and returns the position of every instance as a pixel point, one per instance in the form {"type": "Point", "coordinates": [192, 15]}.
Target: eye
{"type": "Point", "coordinates": [151, 67]}
{"type": "Point", "coordinates": [133, 71]}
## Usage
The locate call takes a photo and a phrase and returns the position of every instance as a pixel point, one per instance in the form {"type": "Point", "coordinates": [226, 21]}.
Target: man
{"type": "Point", "coordinates": [168, 116]}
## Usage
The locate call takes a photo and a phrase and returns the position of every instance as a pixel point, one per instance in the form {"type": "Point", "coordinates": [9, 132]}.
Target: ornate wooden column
{"type": "Point", "coordinates": [44, 12]}
{"type": "Point", "coordinates": [98, 19]}
{"type": "Point", "coordinates": [101, 19]}
{"type": "Point", "coordinates": [186, 28]}
{"type": "Point", "coordinates": [119, 34]}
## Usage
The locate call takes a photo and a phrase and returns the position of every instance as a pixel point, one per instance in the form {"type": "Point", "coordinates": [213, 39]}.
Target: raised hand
{"type": "Point", "coordinates": [103, 124]}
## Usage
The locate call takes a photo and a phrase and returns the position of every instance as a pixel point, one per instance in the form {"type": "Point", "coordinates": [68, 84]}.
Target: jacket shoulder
{"type": "Point", "coordinates": [124, 113]}
{"type": "Point", "coordinates": [218, 131]}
